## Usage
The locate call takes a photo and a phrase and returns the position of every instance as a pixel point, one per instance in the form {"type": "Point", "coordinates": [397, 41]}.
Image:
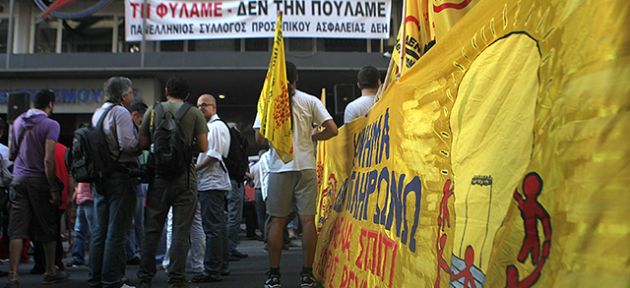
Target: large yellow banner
{"type": "Point", "coordinates": [499, 160]}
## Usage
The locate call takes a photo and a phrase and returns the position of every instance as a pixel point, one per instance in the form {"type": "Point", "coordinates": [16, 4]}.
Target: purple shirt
{"type": "Point", "coordinates": [37, 128]}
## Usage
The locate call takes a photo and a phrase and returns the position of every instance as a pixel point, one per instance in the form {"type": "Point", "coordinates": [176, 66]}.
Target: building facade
{"type": "Point", "coordinates": [75, 56]}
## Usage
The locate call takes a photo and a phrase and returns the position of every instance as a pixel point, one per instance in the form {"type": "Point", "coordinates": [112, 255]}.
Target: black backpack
{"type": "Point", "coordinates": [89, 159]}
{"type": "Point", "coordinates": [170, 155]}
{"type": "Point", "coordinates": [236, 162]}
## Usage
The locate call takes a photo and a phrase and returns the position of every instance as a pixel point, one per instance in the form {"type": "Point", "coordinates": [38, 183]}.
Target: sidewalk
{"type": "Point", "coordinates": [249, 272]}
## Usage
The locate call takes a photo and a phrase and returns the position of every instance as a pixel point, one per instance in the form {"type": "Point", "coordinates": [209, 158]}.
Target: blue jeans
{"type": "Point", "coordinates": [136, 233]}
{"type": "Point", "coordinates": [235, 214]}
{"type": "Point", "coordinates": [212, 203]}
{"type": "Point", "coordinates": [82, 226]}
{"type": "Point", "coordinates": [261, 212]}
{"type": "Point", "coordinates": [114, 206]}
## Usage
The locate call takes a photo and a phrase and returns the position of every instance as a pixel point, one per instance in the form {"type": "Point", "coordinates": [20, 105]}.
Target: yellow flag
{"type": "Point", "coordinates": [273, 105]}
{"type": "Point", "coordinates": [443, 14]}
{"type": "Point", "coordinates": [415, 31]}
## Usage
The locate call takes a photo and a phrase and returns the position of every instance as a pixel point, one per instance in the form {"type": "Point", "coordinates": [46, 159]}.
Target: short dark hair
{"type": "Point", "coordinates": [291, 72]}
{"type": "Point", "coordinates": [138, 107]}
{"type": "Point", "coordinates": [368, 77]}
{"type": "Point", "coordinates": [177, 87]}
{"type": "Point", "coordinates": [43, 98]}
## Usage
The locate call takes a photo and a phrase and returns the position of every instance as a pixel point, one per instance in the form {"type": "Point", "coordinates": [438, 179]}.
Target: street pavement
{"type": "Point", "coordinates": [248, 272]}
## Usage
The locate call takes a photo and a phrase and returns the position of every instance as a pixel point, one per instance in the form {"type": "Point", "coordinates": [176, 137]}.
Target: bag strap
{"type": "Point", "coordinates": [99, 125]}
{"type": "Point", "coordinates": [181, 112]}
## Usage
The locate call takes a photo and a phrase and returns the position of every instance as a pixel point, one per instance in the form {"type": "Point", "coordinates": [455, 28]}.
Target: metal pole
{"type": "Point", "coordinates": [10, 36]}
{"type": "Point", "coordinates": [403, 40]}
{"type": "Point", "coordinates": [143, 45]}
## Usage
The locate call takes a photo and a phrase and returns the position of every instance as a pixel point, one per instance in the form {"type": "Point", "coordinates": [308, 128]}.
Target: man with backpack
{"type": "Point", "coordinates": [35, 192]}
{"type": "Point", "coordinates": [170, 130]}
{"type": "Point", "coordinates": [213, 185]}
{"type": "Point", "coordinates": [115, 197]}
{"type": "Point", "coordinates": [237, 166]}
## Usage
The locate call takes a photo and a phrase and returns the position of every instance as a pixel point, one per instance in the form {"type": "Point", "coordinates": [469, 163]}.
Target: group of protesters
{"type": "Point", "coordinates": [122, 216]}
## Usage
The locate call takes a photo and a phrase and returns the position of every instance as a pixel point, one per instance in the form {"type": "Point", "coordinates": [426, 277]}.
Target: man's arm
{"type": "Point", "coordinates": [207, 162]}
{"type": "Point", "coordinates": [260, 139]}
{"type": "Point", "coordinates": [50, 170]}
{"type": "Point", "coordinates": [144, 142]}
{"type": "Point", "coordinates": [202, 142]}
{"type": "Point", "coordinates": [330, 131]}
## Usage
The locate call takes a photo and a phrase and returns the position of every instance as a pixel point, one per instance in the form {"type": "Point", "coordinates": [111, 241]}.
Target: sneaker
{"type": "Point", "coordinates": [238, 254]}
{"type": "Point", "coordinates": [52, 279]}
{"type": "Point", "coordinates": [12, 284]}
{"type": "Point", "coordinates": [225, 272]}
{"type": "Point", "coordinates": [273, 281]}
{"type": "Point", "coordinates": [204, 278]}
{"type": "Point", "coordinates": [127, 286]}
{"type": "Point", "coordinates": [74, 264]}
{"type": "Point", "coordinates": [307, 280]}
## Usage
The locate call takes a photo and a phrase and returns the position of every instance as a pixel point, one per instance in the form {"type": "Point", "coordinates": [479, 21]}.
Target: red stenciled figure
{"type": "Point", "coordinates": [442, 264]}
{"type": "Point", "coordinates": [531, 211]}
{"type": "Point", "coordinates": [444, 215]}
{"type": "Point", "coordinates": [469, 260]}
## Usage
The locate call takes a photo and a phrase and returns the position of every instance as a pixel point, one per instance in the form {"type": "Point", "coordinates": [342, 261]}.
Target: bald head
{"type": "Point", "coordinates": [207, 104]}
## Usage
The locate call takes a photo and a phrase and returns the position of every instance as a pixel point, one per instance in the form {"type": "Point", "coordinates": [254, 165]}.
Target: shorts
{"type": "Point", "coordinates": [292, 189]}
{"type": "Point", "coordinates": [31, 212]}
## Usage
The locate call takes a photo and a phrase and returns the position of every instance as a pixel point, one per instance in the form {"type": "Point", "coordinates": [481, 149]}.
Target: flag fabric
{"type": "Point", "coordinates": [55, 6]}
{"type": "Point", "coordinates": [443, 14]}
{"type": "Point", "coordinates": [415, 32]}
{"type": "Point", "coordinates": [499, 160]}
{"type": "Point", "coordinates": [274, 108]}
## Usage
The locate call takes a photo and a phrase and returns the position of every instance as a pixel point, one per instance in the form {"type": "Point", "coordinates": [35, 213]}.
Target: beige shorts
{"type": "Point", "coordinates": [292, 189]}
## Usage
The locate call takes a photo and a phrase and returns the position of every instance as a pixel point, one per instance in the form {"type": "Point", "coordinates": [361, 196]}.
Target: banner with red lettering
{"type": "Point", "coordinates": [216, 19]}
{"type": "Point", "coordinates": [500, 159]}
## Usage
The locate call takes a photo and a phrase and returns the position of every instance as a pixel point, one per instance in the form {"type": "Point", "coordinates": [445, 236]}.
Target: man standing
{"type": "Point", "coordinates": [36, 193]}
{"type": "Point", "coordinates": [134, 239]}
{"type": "Point", "coordinates": [115, 197]}
{"type": "Point", "coordinates": [295, 182]}
{"type": "Point", "coordinates": [178, 190]}
{"type": "Point", "coordinates": [368, 80]}
{"type": "Point", "coordinates": [213, 184]}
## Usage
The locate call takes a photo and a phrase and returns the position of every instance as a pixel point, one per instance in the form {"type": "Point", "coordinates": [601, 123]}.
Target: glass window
{"type": "Point", "coordinates": [261, 44]}
{"type": "Point", "coordinates": [4, 34]}
{"type": "Point", "coordinates": [46, 36]}
{"type": "Point", "coordinates": [215, 45]}
{"type": "Point", "coordinates": [171, 46]}
{"type": "Point", "coordinates": [90, 34]}
{"type": "Point", "coordinates": [300, 44]}
{"type": "Point", "coordinates": [342, 45]}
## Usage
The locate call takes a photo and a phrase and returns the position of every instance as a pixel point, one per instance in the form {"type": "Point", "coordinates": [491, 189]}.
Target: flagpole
{"type": "Point", "coordinates": [403, 40]}
{"type": "Point", "coordinates": [9, 36]}
{"type": "Point", "coordinates": [143, 45]}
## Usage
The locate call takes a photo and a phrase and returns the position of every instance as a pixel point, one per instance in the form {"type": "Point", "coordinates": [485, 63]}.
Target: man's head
{"type": "Point", "coordinates": [207, 105]}
{"type": "Point", "coordinates": [177, 88]}
{"type": "Point", "coordinates": [45, 100]}
{"type": "Point", "coordinates": [137, 110]}
{"type": "Point", "coordinates": [292, 77]}
{"type": "Point", "coordinates": [368, 78]}
{"type": "Point", "coordinates": [119, 90]}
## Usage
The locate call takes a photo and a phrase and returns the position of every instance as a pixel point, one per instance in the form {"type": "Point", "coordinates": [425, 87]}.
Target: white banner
{"type": "Point", "coordinates": [191, 19]}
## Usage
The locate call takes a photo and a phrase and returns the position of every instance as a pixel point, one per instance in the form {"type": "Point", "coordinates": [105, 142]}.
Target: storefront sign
{"type": "Point", "coordinates": [184, 20]}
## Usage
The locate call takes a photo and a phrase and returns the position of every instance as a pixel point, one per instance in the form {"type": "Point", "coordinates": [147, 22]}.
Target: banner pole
{"type": "Point", "coordinates": [403, 40]}
{"type": "Point", "coordinates": [143, 44]}
{"type": "Point", "coordinates": [10, 36]}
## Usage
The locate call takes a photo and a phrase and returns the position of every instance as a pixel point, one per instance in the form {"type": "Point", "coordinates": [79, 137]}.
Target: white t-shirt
{"type": "Point", "coordinates": [4, 151]}
{"type": "Point", "coordinates": [358, 108]}
{"type": "Point", "coordinates": [263, 165]}
{"type": "Point", "coordinates": [215, 176]}
{"type": "Point", "coordinates": [306, 110]}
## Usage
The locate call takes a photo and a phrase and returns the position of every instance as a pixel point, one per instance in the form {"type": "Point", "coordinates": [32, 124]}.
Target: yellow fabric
{"type": "Point", "coordinates": [443, 14]}
{"type": "Point", "coordinates": [274, 108]}
{"type": "Point", "coordinates": [511, 134]}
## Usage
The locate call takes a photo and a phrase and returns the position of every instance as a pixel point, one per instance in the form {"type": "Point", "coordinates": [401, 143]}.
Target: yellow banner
{"type": "Point", "coordinates": [274, 109]}
{"type": "Point", "coordinates": [499, 160]}
{"type": "Point", "coordinates": [443, 14]}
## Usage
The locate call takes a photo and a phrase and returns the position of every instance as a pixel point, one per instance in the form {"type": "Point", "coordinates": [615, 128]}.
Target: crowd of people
{"type": "Point", "coordinates": [165, 171]}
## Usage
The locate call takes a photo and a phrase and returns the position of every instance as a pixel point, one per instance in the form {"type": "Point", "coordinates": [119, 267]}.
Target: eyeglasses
{"type": "Point", "coordinates": [204, 105]}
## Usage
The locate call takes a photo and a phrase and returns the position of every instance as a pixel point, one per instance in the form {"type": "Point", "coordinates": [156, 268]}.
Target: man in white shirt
{"type": "Point", "coordinates": [213, 184]}
{"type": "Point", "coordinates": [294, 184]}
{"type": "Point", "coordinates": [368, 80]}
